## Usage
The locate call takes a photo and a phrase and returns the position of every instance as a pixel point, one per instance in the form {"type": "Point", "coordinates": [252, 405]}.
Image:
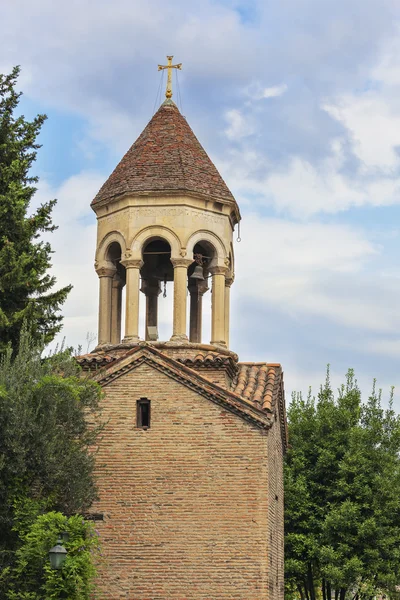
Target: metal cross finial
{"type": "Point", "coordinates": [169, 66]}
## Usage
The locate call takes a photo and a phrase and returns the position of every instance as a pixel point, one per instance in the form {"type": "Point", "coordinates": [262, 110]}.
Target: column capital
{"type": "Point", "coordinates": [229, 280]}
{"type": "Point", "coordinates": [105, 269]}
{"type": "Point", "coordinates": [132, 263]}
{"type": "Point", "coordinates": [218, 270]}
{"type": "Point", "coordinates": [181, 262]}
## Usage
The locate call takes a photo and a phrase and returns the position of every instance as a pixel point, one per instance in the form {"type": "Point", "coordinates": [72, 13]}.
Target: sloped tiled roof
{"type": "Point", "coordinates": [166, 157]}
{"type": "Point", "coordinates": [257, 384]}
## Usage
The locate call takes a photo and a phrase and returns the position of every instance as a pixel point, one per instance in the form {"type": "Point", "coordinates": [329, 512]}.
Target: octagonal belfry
{"type": "Point", "coordinates": [165, 214]}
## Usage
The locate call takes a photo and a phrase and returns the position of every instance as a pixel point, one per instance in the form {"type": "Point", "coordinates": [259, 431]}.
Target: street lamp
{"type": "Point", "coordinates": [57, 555]}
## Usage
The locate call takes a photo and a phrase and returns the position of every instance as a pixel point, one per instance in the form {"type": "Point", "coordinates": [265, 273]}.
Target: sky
{"type": "Point", "coordinates": [296, 102]}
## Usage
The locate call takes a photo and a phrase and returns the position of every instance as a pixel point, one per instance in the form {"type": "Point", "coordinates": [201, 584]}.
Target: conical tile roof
{"type": "Point", "coordinates": [166, 157]}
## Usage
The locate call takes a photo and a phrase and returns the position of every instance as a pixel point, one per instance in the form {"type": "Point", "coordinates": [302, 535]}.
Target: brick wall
{"type": "Point", "coordinates": [275, 512]}
{"type": "Point", "coordinates": [185, 502]}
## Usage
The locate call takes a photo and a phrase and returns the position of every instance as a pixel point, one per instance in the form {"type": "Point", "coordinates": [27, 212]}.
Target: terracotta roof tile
{"type": "Point", "coordinates": [258, 383]}
{"type": "Point", "coordinates": [166, 157]}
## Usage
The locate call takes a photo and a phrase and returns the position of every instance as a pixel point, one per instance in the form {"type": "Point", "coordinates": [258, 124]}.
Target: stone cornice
{"type": "Point", "coordinates": [164, 346]}
{"type": "Point", "coordinates": [182, 194]}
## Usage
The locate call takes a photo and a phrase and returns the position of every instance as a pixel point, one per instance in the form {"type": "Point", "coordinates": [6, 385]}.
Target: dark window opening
{"type": "Point", "coordinates": [143, 413]}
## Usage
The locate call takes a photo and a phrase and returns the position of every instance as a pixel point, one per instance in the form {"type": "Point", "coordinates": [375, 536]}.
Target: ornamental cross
{"type": "Point", "coordinates": [169, 66]}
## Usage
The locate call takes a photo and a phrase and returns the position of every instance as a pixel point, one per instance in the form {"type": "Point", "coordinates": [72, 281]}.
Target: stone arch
{"type": "Point", "coordinates": [155, 231]}
{"type": "Point", "coordinates": [112, 275]}
{"type": "Point", "coordinates": [102, 248]}
{"type": "Point", "coordinates": [216, 243]}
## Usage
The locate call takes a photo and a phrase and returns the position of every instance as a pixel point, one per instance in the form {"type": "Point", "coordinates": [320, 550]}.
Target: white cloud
{"type": "Point", "coordinates": [387, 69]}
{"type": "Point", "coordinates": [358, 167]}
{"type": "Point", "coordinates": [374, 128]}
{"type": "Point", "coordinates": [275, 91]}
{"type": "Point", "coordinates": [238, 126]}
{"type": "Point", "coordinates": [100, 63]}
{"type": "Point", "coordinates": [303, 188]}
{"type": "Point", "coordinates": [316, 270]}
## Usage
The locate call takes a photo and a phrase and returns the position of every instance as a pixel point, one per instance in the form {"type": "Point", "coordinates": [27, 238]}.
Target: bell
{"type": "Point", "coordinates": [197, 273]}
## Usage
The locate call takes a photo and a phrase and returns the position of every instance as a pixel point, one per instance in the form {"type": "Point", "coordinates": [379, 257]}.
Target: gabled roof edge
{"type": "Point", "coordinates": [188, 377]}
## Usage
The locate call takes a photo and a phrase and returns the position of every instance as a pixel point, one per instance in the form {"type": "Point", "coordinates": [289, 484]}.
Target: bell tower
{"type": "Point", "coordinates": [164, 215]}
{"type": "Point", "coordinates": [190, 462]}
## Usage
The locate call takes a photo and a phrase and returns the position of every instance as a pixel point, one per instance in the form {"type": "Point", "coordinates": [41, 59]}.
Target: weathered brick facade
{"type": "Point", "coordinates": [275, 450]}
{"type": "Point", "coordinates": [192, 506]}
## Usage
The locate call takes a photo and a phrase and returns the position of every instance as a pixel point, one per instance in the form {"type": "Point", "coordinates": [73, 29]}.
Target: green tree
{"type": "Point", "coordinates": [33, 578]}
{"type": "Point", "coordinates": [342, 495]}
{"type": "Point", "coordinates": [48, 424]}
{"type": "Point", "coordinates": [25, 285]}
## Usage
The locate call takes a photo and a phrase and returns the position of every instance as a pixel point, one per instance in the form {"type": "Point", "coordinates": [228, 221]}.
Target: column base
{"type": "Point", "coordinates": [220, 343]}
{"type": "Point", "coordinates": [102, 346]}
{"type": "Point", "coordinates": [131, 339]}
{"type": "Point", "coordinates": [180, 338]}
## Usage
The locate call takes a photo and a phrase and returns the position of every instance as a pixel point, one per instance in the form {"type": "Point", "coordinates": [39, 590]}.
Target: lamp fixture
{"type": "Point", "coordinates": [57, 555]}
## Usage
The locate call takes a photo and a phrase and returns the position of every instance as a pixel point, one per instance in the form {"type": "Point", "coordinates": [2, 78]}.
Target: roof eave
{"type": "Point", "coordinates": [95, 204]}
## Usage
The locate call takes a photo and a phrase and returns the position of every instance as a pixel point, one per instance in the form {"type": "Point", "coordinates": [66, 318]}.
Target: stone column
{"type": "Point", "coordinates": [106, 273]}
{"type": "Point", "coordinates": [180, 284]}
{"type": "Point", "coordinates": [116, 309]}
{"type": "Point", "coordinates": [151, 289]}
{"type": "Point", "coordinates": [228, 283]}
{"type": "Point", "coordinates": [218, 306]}
{"type": "Point", "coordinates": [196, 289]}
{"type": "Point", "coordinates": [133, 267]}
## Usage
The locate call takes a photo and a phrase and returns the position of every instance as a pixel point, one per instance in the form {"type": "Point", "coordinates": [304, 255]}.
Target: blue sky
{"type": "Point", "coordinates": [297, 103]}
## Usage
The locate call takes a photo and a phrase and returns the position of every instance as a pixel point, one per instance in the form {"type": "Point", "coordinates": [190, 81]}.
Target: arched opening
{"type": "Point", "coordinates": [204, 254]}
{"type": "Point", "coordinates": [112, 280]}
{"type": "Point", "coordinates": [113, 255]}
{"type": "Point", "coordinates": [157, 273]}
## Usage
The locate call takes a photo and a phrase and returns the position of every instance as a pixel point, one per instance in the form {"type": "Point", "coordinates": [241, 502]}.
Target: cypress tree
{"type": "Point", "coordinates": [26, 288]}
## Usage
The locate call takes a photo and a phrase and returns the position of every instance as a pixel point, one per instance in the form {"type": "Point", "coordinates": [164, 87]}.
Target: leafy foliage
{"type": "Point", "coordinates": [25, 286]}
{"type": "Point", "coordinates": [32, 578]}
{"type": "Point", "coordinates": [342, 495]}
{"type": "Point", "coordinates": [46, 440]}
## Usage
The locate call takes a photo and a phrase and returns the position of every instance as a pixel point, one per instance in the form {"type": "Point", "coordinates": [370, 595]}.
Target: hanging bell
{"type": "Point", "coordinates": [197, 273]}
